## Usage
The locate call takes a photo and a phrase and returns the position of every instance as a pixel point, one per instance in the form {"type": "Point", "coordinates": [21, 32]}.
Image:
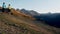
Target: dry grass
{"type": "Point", "coordinates": [17, 13]}
{"type": "Point", "coordinates": [18, 24]}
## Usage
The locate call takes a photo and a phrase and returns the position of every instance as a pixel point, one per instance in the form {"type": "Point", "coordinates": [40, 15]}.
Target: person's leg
{"type": "Point", "coordinates": [8, 10]}
{"type": "Point", "coordinates": [2, 9]}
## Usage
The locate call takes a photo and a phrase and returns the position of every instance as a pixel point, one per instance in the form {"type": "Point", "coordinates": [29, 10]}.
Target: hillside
{"type": "Point", "coordinates": [19, 23]}
{"type": "Point", "coordinates": [52, 19]}
{"type": "Point", "coordinates": [17, 13]}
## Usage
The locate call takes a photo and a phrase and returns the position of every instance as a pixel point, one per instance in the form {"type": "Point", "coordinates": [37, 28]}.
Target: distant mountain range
{"type": "Point", "coordinates": [28, 12]}
{"type": "Point", "coordinates": [52, 19]}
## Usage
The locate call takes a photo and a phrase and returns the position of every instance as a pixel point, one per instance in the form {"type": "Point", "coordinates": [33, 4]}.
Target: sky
{"type": "Point", "coordinates": [41, 6]}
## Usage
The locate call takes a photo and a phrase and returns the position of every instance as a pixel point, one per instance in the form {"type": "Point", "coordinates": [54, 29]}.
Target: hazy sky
{"type": "Point", "coordinates": [41, 6]}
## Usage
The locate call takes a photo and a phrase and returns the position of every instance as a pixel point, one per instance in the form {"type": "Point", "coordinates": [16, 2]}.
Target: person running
{"type": "Point", "coordinates": [9, 8]}
{"type": "Point", "coordinates": [3, 7]}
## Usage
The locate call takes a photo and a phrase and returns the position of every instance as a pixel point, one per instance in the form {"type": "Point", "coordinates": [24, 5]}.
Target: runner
{"type": "Point", "coordinates": [3, 7]}
{"type": "Point", "coordinates": [9, 8]}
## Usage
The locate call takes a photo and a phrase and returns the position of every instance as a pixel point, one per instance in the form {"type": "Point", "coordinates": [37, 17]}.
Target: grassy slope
{"type": "Point", "coordinates": [18, 24]}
